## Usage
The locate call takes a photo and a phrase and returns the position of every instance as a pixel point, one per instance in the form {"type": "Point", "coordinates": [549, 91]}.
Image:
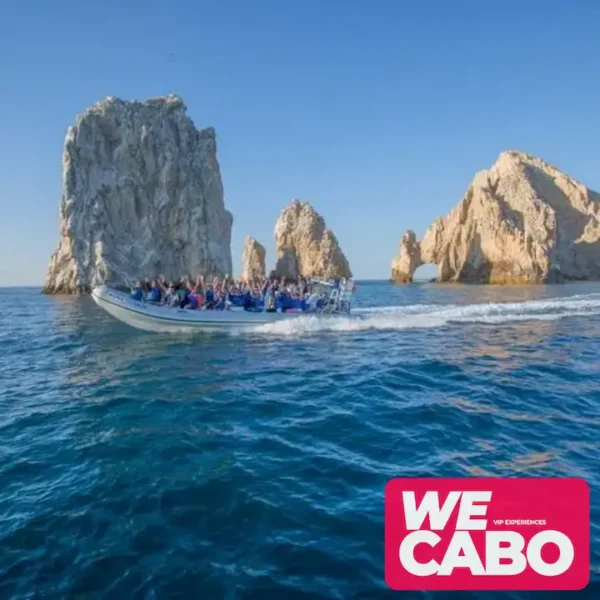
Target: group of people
{"type": "Point", "coordinates": [269, 294]}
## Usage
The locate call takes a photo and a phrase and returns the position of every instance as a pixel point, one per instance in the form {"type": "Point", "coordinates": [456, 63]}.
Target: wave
{"type": "Point", "coordinates": [419, 316]}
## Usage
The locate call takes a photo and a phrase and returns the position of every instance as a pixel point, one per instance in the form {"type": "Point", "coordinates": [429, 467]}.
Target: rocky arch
{"type": "Point", "coordinates": [408, 259]}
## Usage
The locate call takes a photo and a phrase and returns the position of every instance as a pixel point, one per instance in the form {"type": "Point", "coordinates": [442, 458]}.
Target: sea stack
{"type": "Point", "coordinates": [142, 195]}
{"type": "Point", "coordinates": [522, 221]}
{"type": "Point", "coordinates": [253, 260]}
{"type": "Point", "coordinates": [305, 246]}
{"type": "Point", "coordinates": [408, 259]}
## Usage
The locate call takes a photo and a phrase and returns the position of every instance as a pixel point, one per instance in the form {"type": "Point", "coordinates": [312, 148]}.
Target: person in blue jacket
{"type": "Point", "coordinates": [209, 298]}
{"type": "Point", "coordinates": [138, 292]}
{"type": "Point", "coordinates": [154, 293]}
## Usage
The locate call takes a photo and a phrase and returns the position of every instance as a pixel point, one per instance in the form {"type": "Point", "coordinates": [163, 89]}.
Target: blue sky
{"type": "Point", "coordinates": [378, 112]}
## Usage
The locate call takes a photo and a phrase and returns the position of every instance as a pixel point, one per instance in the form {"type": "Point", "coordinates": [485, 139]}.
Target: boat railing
{"type": "Point", "coordinates": [340, 298]}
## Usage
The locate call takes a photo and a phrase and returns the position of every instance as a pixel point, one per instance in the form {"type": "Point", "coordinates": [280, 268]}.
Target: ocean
{"type": "Point", "coordinates": [253, 465]}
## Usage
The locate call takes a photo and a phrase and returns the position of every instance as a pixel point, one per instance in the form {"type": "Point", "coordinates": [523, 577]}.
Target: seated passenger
{"type": "Point", "coordinates": [138, 292]}
{"type": "Point", "coordinates": [193, 301]}
{"type": "Point", "coordinates": [209, 297]}
{"type": "Point", "coordinates": [199, 297]}
{"type": "Point", "coordinates": [304, 285]}
{"type": "Point", "coordinates": [312, 302]}
{"type": "Point", "coordinates": [278, 302]}
{"type": "Point", "coordinates": [154, 293]}
{"type": "Point", "coordinates": [322, 301]}
{"type": "Point", "coordinates": [219, 301]}
{"type": "Point", "coordinates": [269, 299]}
{"type": "Point", "coordinates": [287, 301]}
{"type": "Point", "coordinates": [248, 301]}
{"type": "Point", "coordinates": [171, 297]}
{"type": "Point", "coordinates": [183, 293]}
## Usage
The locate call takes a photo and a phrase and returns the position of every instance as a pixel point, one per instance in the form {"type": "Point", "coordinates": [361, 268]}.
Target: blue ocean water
{"type": "Point", "coordinates": [253, 465]}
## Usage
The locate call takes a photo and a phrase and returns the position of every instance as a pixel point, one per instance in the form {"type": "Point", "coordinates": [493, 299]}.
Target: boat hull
{"type": "Point", "coordinates": [156, 318]}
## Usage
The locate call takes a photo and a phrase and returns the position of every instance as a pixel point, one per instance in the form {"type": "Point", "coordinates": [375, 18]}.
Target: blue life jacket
{"type": "Point", "coordinates": [210, 296]}
{"type": "Point", "coordinates": [193, 301]}
{"type": "Point", "coordinates": [137, 294]}
{"type": "Point", "coordinates": [220, 303]}
{"type": "Point", "coordinates": [247, 300]}
{"type": "Point", "coordinates": [154, 295]}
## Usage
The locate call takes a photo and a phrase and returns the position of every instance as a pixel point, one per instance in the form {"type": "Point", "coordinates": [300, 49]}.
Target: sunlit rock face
{"type": "Point", "coordinates": [522, 221]}
{"type": "Point", "coordinates": [253, 260]}
{"type": "Point", "coordinates": [408, 259]}
{"type": "Point", "coordinates": [142, 195]}
{"type": "Point", "coordinates": [305, 246]}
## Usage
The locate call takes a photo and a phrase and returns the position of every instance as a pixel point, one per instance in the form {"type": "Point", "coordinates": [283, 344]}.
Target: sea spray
{"type": "Point", "coordinates": [420, 316]}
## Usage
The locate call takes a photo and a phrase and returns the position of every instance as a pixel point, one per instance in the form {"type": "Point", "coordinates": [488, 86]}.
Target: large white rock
{"type": "Point", "coordinates": [142, 195]}
{"type": "Point", "coordinates": [305, 246]}
{"type": "Point", "coordinates": [523, 221]}
{"type": "Point", "coordinates": [253, 260]}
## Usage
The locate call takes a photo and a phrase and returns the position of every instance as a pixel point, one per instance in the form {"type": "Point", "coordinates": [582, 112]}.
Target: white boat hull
{"type": "Point", "coordinates": [157, 318]}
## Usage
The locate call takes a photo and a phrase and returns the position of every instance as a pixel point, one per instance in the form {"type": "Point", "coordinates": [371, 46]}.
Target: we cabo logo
{"type": "Point", "coordinates": [487, 534]}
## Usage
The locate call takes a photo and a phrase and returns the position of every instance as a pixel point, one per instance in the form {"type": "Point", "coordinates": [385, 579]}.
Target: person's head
{"type": "Point", "coordinates": [139, 283]}
{"type": "Point", "coordinates": [154, 283]}
{"type": "Point", "coordinates": [172, 286]}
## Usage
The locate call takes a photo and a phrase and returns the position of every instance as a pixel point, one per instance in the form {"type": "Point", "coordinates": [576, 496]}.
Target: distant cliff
{"type": "Point", "coordinates": [253, 260]}
{"type": "Point", "coordinates": [142, 195]}
{"type": "Point", "coordinates": [305, 246]}
{"type": "Point", "coordinates": [523, 221]}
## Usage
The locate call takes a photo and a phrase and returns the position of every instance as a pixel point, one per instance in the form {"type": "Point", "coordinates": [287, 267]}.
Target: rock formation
{"type": "Point", "coordinates": [305, 246]}
{"type": "Point", "coordinates": [253, 260]}
{"type": "Point", "coordinates": [142, 195]}
{"type": "Point", "coordinates": [408, 260]}
{"type": "Point", "coordinates": [523, 221]}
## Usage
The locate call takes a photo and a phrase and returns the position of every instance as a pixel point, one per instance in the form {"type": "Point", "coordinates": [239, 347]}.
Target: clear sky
{"type": "Point", "coordinates": [379, 112]}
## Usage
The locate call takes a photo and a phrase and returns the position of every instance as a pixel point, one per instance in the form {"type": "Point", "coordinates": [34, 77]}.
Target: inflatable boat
{"type": "Point", "coordinates": [157, 317]}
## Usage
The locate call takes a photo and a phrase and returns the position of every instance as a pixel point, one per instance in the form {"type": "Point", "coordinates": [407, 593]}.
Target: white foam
{"type": "Point", "coordinates": [418, 316]}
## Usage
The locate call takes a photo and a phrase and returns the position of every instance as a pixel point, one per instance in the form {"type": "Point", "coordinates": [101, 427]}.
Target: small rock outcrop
{"type": "Point", "coordinates": [142, 195]}
{"type": "Point", "coordinates": [408, 259]}
{"type": "Point", "coordinates": [253, 260]}
{"type": "Point", "coordinates": [522, 221]}
{"type": "Point", "coordinates": [305, 246]}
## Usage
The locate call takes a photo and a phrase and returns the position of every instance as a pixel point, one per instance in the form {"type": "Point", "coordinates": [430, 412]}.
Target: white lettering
{"type": "Point", "coordinates": [468, 510]}
{"type": "Point", "coordinates": [430, 505]}
{"type": "Point", "coordinates": [494, 553]}
{"type": "Point", "coordinates": [407, 553]}
{"type": "Point", "coordinates": [534, 553]}
{"type": "Point", "coordinates": [461, 553]}
{"type": "Point", "coordinates": [461, 542]}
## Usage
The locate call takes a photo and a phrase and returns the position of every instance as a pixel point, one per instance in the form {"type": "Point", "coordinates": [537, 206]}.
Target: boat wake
{"type": "Point", "coordinates": [418, 316]}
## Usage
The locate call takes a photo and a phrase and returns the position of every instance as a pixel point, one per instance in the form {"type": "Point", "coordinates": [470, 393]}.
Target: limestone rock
{"type": "Point", "coordinates": [522, 221]}
{"type": "Point", "coordinates": [142, 195]}
{"type": "Point", "coordinates": [305, 246]}
{"type": "Point", "coordinates": [408, 259]}
{"type": "Point", "coordinates": [253, 260]}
